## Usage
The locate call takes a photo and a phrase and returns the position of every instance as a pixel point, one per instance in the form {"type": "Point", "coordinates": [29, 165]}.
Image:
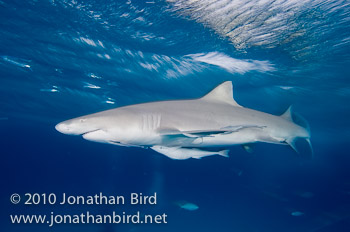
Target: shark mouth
{"type": "Point", "coordinates": [89, 132]}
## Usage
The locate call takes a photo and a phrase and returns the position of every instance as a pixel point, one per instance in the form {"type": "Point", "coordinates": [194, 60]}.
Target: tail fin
{"type": "Point", "coordinates": [292, 144]}
{"type": "Point", "coordinates": [299, 120]}
{"type": "Point", "coordinates": [224, 153]}
{"type": "Point", "coordinates": [310, 147]}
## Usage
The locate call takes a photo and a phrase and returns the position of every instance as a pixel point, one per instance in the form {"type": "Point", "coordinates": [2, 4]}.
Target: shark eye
{"type": "Point", "coordinates": [82, 120]}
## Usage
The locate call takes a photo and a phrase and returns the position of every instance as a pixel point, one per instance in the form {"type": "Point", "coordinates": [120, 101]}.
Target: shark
{"type": "Point", "coordinates": [183, 129]}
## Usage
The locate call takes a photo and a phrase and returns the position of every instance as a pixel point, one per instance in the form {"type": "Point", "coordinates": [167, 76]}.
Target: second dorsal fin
{"type": "Point", "coordinates": [288, 114]}
{"type": "Point", "coordinates": [222, 93]}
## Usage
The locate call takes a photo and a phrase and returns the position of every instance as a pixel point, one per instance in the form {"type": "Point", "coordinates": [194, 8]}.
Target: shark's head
{"type": "Point", "coordinates": [79, 126]}
{"type": "Point", "coordinates": [99, 127]}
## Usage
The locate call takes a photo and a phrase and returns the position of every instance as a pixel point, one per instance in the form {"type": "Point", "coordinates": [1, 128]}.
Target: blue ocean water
{"type": "Point", "coordinates": [61, 59]}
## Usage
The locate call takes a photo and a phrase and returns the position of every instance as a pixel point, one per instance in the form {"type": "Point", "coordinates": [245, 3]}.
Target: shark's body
{"type": "Point", "coordinates": [174, 127]}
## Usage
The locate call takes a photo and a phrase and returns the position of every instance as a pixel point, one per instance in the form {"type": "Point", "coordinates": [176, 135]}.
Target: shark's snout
{"type": "Point", "coordinates": [63, 128]}
{"type": "Point", "coordinates": [75, 127]}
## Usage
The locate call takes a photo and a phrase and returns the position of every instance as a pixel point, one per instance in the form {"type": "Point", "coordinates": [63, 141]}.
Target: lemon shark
{"type": "Point", "coordinates": [183, 129]}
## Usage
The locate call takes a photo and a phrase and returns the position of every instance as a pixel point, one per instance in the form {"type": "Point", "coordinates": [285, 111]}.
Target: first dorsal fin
{"type": "Point", "coordinates": [222, 93]}
{"type": "Point", "coordinates": [288, 114]}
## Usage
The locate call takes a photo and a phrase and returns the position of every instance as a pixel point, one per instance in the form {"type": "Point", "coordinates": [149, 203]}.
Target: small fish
{"type": "Point", "coordinates": [16, 61]}
{"type": "Point", "coordinates": [297, 214]}
{"type": "Point", "coordinates": [187, 205]}
{"type": "Point", "coordinates": [91, 86]}
{"type": "Point", "coordinates": [186, 153]}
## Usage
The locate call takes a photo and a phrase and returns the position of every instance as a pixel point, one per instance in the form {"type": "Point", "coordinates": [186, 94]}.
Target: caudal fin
{"type": "Point", "coordinates": [299, 120]}
{"type": "Point", "coordinates": [310, 147]}
{"type": "Point", "coordinates": [293, 144]}
{"type": "Point", "coordinates": [224, 153]}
